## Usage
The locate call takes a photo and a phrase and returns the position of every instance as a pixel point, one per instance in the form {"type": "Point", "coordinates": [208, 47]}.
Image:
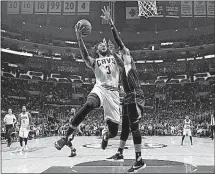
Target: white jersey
{"type": "Point", "coordinates": [187, 124]}
{"type": "Point", "coordinates": [107, 72]}
{"type": "Point", "coordinates": [24, 119]}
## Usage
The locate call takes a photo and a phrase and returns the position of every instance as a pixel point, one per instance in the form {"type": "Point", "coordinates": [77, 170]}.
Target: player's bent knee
{"type": "Point", "coordinates": [93, 100]}
{"type": "Point", "coordinates": [113, 129]}
{"type": "Point", "coordinates": [69, 144]}
{"type": "Point", "coordinates": [114, 133]}
{"type": "Point", "coordinates": [124, 135]}
{"type": "Point", "coordinates": [137, 137]}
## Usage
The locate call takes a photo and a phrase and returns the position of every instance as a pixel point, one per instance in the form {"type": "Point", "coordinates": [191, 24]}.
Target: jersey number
{"type": "Point", "coordinates": [108, 68]}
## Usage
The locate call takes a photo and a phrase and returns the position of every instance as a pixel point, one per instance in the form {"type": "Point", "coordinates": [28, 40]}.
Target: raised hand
{"type": "Point", "coordinates": [78, 30]}
{"type": "Point", "coordinates": [106, 13]}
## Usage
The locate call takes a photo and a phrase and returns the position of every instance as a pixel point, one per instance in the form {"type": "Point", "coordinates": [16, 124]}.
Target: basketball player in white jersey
{"type": "Point", "coordinates": [9, 121]}
{"type": "Point", "coordinates": [24, 122]}
{"type": "Point", "coordinates": [187, 129]}
{"type": "Point", "coordinates": [105, 92]}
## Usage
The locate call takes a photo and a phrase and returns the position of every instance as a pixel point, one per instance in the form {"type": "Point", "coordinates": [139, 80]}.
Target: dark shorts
{"type": "Point", "coordinates": [9, 129]}
{"type": "Point", "coordinates": [133, 106]}
{"type": "Point", "coordinates": [136, 96]}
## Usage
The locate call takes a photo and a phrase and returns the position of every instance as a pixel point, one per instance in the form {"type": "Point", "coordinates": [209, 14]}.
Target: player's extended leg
{"type": "Point", "coordinates": [182, 139]}
{"type": "Point", "coordinates": [190, 135]}
{"type": "Point", "coordinates": [25, 138]}
{"type": "Point", "coordinates": [26, 142]}
{"type": "Point", "coordinates": [110, 133]}
{"type": "Point", "coordinates": [92, 102]}
{"type": "Point", "coordinates": [212, 132]}
{"type": "Point", "coordinates": [73, 150]}
{"type": "Point", "coordinates": [135, 113]}
{"type": "Point", "coordinates": [123, 137]}
{"type": "Point", "coordinates": [21, 143]}
{"type": "Point", "coordinates": [111, 104]}
{"type": "Point", "coordinates": [191, 141]}
{"type": "Point", "coordinates": [9, 138]}
{"type": "Point", "coordinates": [8, 135]}
{"type": "Point", "coordinates": [21, 136]}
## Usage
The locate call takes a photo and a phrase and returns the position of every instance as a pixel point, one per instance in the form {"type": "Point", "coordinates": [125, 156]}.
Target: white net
{"type": "Point", "coordinates": [147, 8]}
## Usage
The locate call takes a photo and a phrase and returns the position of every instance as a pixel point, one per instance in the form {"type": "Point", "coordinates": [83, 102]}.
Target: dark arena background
{"type": "Point", "coordinates": [41, 68]}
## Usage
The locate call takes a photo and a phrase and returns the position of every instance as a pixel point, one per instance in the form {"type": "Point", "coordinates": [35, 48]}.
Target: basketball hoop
{"type": "Point", "coordinates": [147, 8]}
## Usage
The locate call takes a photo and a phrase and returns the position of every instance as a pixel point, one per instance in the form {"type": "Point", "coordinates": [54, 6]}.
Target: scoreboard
{"type": "Point", "coordinates": [49, 7]}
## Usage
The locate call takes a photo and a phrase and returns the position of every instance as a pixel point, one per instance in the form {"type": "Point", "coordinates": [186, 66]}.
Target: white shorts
{"type": "Point", "coordinates": [37, 132]}
{"type": "Point", "coordinates": [23, 132]}
{"type": "Point", "coordinates": [110, 102]}
{"type": "Point", "coordinates": [187, 132]}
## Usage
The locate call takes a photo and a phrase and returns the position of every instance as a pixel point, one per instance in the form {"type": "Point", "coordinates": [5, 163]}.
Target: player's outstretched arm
{"type": "Point", "coordinates": [90, 62]}
{"type": "Point", "coordinates": [19, 120]}
{"type": "Point", "coordinates": [107, 16]}
{"type": "Point", "coordinates": [30, 118]}
{"type": "Point", "coordinates": [119, 60]}
{"type": "Point", "coordinates": [125, 51]}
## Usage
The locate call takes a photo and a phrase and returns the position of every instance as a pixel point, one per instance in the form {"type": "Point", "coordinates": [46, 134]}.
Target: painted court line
{"type": "Point", "coordinates": [119, 166]}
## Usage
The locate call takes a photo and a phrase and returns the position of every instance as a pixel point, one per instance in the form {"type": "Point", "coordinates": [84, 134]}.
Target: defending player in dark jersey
{"type": "Point", "coordinates": [133, 102]}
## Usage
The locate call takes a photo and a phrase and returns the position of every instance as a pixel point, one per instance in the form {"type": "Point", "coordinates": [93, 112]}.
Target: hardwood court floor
{"type": "Point", "coordinates": [161, 154]}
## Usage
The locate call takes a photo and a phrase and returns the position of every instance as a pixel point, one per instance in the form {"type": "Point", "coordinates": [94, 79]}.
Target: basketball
{"type": "Point", "coordinates": [87, 27]}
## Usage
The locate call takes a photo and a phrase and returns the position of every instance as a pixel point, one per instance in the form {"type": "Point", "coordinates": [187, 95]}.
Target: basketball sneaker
{"type": "Point", "coordinates": [20, 149]}
{"type": "Point", "coordinates": [117, 157]}
{"type": "Point", "coordinates": [137, 166]}
{"type": "Point", "coordinates": [104, 140]}
{"type": "Point", "coordinates": [25, 148]}
{"type": "Point", "coordinates": [73, 153]}
{"type": "Point", "coordinates": [60, 143]}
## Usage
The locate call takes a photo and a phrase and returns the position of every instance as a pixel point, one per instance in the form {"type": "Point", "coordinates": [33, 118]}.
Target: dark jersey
{"type": "Point", "coordinates": [130, 81]}
{"type": "Point", "coordinates": [131, 85]}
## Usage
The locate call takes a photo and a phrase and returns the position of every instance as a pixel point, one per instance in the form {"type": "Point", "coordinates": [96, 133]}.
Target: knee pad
{"type": "Point", "coordinates": [136, 134]}
{"type": "Point", "coordinates": [134, 127]}
{"type": "Point", "coordinates": [113, 133]}
{"type": "Point", "coordinates": [113, 128]}
{"type": "Point", "coordinates": [93, 100]}
{"type": "Point", "coordinates": [91, 103]}
{"type": "Point", "coordinates": [69, 144]}
{"type": "Point", "coordinates": [124, 134]}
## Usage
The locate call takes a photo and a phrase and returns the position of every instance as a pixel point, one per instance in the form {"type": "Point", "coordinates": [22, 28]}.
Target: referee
{"type": "Point", "coordinates": [212, 126]}
{"type": "Point", "coordinates": [9, 121]}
